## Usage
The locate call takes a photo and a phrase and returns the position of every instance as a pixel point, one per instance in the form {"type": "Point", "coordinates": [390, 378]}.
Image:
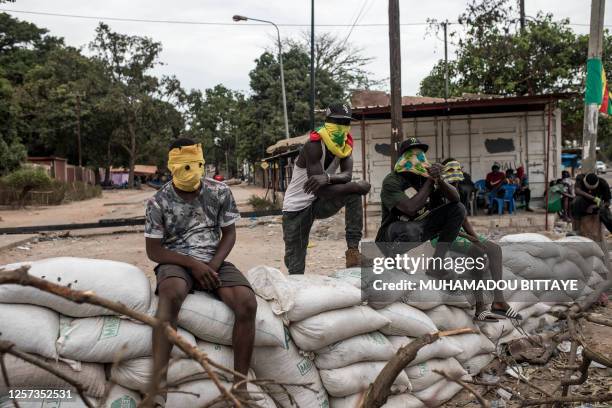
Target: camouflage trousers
{"type": "Point", "coordinates": [297, 224]}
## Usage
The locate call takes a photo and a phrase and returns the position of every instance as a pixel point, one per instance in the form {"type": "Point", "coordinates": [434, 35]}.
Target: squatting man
{"type": "Point", "coordinates": [419, 204]}
{"type": "Point", "coordinates": [190, 230]}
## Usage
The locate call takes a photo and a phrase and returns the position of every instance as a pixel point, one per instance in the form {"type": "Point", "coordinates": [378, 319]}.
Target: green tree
{"type": "Point", "coordinates": [494, 56]}
{"type": "Point", "coordinates": [128, 61]}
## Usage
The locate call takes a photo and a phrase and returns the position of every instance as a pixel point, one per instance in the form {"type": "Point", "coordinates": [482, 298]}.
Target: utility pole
{"type": "Point", "coordinates": [445, 24]}
{"type": "Point", "coordinates": [78, 127]}
{"type": "Point", "coordinates": [522, 11]}
{"type": "Point", "coordinates": [312, 66]}
{"type": "Point", "coordinates": [593, 86]}
{"type": "Point", "coordinates": [395, 64]}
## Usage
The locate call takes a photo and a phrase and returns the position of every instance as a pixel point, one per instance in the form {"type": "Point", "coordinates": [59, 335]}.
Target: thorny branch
{"type": "Point", "coordinates": [20, 276]}
{"type": "Point", "coordinates": [483, 402]}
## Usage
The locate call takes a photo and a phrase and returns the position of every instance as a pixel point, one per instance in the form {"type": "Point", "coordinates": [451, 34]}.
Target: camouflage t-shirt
{"type": "Point", "coordinates": [191, 228]}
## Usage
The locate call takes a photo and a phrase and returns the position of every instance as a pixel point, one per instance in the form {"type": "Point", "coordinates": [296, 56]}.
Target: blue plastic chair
{"type": "Point", "coordinates": [481, 188]}
{"type": "Point", "coordinates": [508, 197]}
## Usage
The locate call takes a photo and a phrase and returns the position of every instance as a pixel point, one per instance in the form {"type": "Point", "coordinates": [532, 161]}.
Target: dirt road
{"type": "Point", "coordinates": [112, 204]}
{"type": "Point", "coordinates": [259, 242]}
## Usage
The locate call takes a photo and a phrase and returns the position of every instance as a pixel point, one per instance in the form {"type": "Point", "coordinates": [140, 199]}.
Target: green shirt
{"type": "Point", "coordinates": [394, 188]}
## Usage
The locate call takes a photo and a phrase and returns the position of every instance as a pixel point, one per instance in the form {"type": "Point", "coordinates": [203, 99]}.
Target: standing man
{"type": "Point", "coordinates": [592, 197]}
{"type": "Point", "coordinates": [418, 204]}
{"type": "Point", "coordinates": [189, 232]}
{"type": "Point", "coordinates": [316, 191]}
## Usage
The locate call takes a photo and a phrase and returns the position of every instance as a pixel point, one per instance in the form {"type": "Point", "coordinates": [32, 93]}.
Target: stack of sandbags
{"type": "Point", "coordinates": [329, 325]}
{"type": "Point", "coordinates": [33, 320]}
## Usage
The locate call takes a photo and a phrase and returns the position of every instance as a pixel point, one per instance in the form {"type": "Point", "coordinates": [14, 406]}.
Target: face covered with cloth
{"type": "Point", "coordinates": [451, 172]}
{"type": "Point", "coordinates": [413, 161]}
{"type": "Point", "coordinates": [186, 164]}
{"type": "Point", "coordinates": [337, 138]}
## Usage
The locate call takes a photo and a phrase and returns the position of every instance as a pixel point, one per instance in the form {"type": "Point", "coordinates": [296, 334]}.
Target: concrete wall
{"type": "Point", "coordinates": [477, 141]}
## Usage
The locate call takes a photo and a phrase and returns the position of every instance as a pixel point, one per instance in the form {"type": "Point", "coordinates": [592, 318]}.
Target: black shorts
{"type": "Point", "coordinates": [229, 276]}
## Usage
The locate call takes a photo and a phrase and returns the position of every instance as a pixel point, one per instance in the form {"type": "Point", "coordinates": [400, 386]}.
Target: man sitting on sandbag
{"type": "Point", "coordinates": [413, 207]}
{"type": "Point", "coordinates": [592, 197]}
{"type": "Point", "coordinates": [316, 191]}
{"type": "Point", "coordinates": [475, 245]}
{"type": "Point", "coordinates": [189, 233]}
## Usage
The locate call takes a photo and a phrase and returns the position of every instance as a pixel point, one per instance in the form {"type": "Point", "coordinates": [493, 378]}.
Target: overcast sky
{"type": "Point", "coordinates": [202, 56]}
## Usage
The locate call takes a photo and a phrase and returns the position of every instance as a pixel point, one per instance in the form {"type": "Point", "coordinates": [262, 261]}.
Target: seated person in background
{"type": "Point", "coordinates": [522, 186]}
{"type": "Point", "coordinates": [189, 232]}
{"type": "Point", "coordinates": [567, 195]}
{"type": "Point", "coordinates": [474, 245]}
{"type": "Point", "coordinates": [493, 182]}
{"type": "Point", "coordinates": [592, 197]}
{"type": "Point", "coordinates": [413, 208]}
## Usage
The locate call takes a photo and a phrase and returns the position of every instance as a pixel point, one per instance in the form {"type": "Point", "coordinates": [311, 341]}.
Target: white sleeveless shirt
{"type": "Point", "coordinates": [296, 199]}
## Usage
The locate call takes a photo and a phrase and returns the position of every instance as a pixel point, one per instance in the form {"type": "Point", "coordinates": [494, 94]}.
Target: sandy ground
{"type": "Point", "coordinates": [259, 242]}
{"type": "Point", "coordinates": [112, 204]}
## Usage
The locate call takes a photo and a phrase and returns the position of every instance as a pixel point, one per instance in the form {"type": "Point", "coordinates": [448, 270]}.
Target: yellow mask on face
{"type": "Point", "coordinates": [186, 164]}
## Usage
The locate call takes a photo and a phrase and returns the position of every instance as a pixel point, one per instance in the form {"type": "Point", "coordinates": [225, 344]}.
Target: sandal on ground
{"type": "Point", "coordinates": [508, 313]}
{"type": "Point", "coordinates": [486, 317]}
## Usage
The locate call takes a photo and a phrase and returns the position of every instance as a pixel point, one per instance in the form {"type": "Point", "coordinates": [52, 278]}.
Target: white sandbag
{"type": "Point", "coordinates": [513, 335]}
{"type": "Point", "coordinates": [475, 364]}
{"type": "Point", "coordinates": [200, 393]}
{"type": "Point", "coordinates": [187, 370]}
{"type": "Point", "coordinates": [134, 374]}
{"type": "Point", "coordinates": [372, 346]}
{"type": "Point", "coordinates": [287, 365]}
{"type": "Point", "coordinates": [297, 297]}
{"type": "Point", "coordinates": [32, 329]}
{"type": "Point", "coordinates": [116, 281]}
{"type": "Point", "coordinates": [439, 393]}
{"type": "Point", "coordinates": [472, 345]}
{"type": "Point", "coordinates": [326, 328]}
{"type": "Point", "coordinates": [25, 375]}
{"type": "Point", "coordinates": [406, 320]}
{"type": "Point", "coordinates": [449, 318]}
{"type": "Point", "coordinates": [595, 280]}
{"type": "Point", "coordinates": [427, 300]}
{"type": "Point", "coordinates": [120, 397]}
{"type": "Point", "coordinates": [441, 348]}
{"type": "Point", "coordinates": [496, 330]}
{"type": "Point", "coordinates": [351, 276]}
{"type": "Point", "coordinates": [536, 309]}
{"type": "Point", "coordinates": [394, 401]}
{"type": "Point", "coordinates": [422, 375]}
{"type": "Point", "coordinates": [525, 237]}
{"type": "Point", "coordinates": [585, 246]}
{"type": "Point", "coordinates": [107, 338]}
{"type": "Point", "coordinates": [355, 378]}
{"type": "Point", "coordinates": [212, 320]}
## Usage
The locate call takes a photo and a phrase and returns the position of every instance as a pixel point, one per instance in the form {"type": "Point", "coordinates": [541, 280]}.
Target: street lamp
{"type": "Point", "coordinates": [238, 18]}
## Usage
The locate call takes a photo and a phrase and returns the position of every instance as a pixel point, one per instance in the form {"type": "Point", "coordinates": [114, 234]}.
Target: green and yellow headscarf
{"type": "Point", "coordinates": [451, 172]}
{"type": "Point", "coordinates": [336, 137]}
{"type": "Point", "coordinates": [413, 161]}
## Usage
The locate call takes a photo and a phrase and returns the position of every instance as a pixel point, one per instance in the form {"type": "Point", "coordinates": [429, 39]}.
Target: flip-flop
{"type": "Point", "coordinates": [486, 317]}
{"type": "Point", "coordinates": [509, 313]}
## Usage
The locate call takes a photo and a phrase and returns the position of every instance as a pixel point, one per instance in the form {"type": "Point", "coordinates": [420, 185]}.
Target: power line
{"type": "Point", "coordinates": [365, 2]}
{"type": "Point", "coordinates": [191, 22]}
{"type": "Point", "coordinates": [217, 23]}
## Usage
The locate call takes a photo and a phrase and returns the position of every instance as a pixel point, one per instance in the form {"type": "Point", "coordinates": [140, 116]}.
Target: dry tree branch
{"type": "Point", "coordinates": [378, 392]}
{"type": "Point", "coordinates": [20, 276]}
{"type": "Point", "coordinates": [483, 402]}
{"type": "Point", "coordinates": [8, 347]}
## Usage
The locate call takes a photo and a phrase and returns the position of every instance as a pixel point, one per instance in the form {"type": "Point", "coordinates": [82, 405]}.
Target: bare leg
{"type": "Point", "coordinates": [338, 190]}
{"type": "Point", "coordinates": [172, 292]}
{"type": "Point", "coordinates": [241, 300]}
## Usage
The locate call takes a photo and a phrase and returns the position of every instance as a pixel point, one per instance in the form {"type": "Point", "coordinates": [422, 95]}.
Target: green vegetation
{"type": "Point", "coordinates": [494, 56]}
{"type": "Point", "coordinates": [262, 204]}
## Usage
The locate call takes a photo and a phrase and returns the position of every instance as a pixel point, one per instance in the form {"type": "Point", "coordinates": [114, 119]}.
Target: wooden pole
{"type": "Point", "coordinates": [78, 128]}
{"type": "Point", "coordinates": [591, 110]}
{"type": "Point", "coordinates": [312, 67]}
{"type": "Point", "coordinates": [395, 64]}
